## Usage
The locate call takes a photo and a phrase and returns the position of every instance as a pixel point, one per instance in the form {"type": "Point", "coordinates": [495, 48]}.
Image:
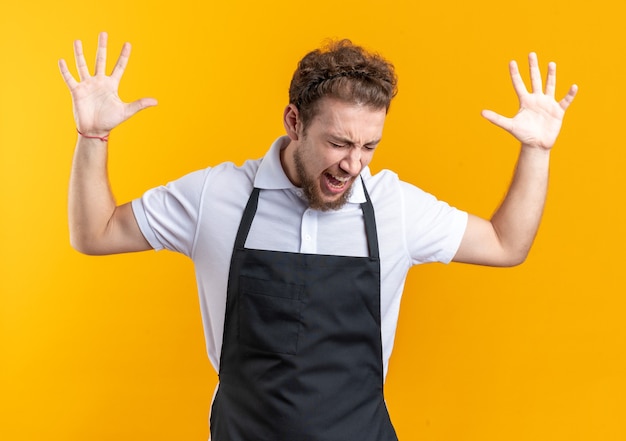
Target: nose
{"type": "Point", "coordinates": [351, 163]}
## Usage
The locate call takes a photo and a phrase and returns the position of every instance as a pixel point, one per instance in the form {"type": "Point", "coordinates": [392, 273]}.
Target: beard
{"type": "Point", "coordinates": [312, 191]}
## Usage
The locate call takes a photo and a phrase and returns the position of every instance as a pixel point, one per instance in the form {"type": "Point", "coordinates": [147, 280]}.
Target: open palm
{"type": "Point", "coordinates": [97, 106]}
{"type": "Point", "coordinates": [538, 121]}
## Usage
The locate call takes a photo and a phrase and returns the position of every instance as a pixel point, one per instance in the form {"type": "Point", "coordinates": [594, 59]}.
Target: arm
{"type": "Point", "coordinates": [97, 224]}
{"type": "Point", "coordinates": [505, 240]}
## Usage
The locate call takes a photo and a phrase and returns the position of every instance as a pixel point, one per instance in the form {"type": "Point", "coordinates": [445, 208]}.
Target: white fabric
{"type": "Point", "coordinates": [199, 214]}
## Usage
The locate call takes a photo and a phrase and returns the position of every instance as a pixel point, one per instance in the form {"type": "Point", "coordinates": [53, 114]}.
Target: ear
{"type": "Point", "coordinates": [291, 121]}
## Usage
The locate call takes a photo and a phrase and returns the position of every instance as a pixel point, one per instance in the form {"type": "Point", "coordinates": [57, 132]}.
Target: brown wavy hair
{"type": "Point", "coordinates": [345, 71]}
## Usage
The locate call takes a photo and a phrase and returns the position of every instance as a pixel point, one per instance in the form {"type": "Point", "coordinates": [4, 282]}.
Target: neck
{"type": "Point", "coordinates": [288, 163]}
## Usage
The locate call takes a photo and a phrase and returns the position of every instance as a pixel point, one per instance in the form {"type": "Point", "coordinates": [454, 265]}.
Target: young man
{"type": "Point", "coordinates": [301, 257]}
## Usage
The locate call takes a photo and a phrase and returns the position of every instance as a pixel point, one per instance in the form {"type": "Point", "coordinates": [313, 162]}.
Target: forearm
{"type": "Point", "coordinates": [517, 220]}
{"type": "Point", "coordinates": [91, 202]}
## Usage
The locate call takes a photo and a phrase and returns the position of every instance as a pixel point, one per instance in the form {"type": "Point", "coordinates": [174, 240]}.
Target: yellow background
{"type": "Point", "coordinates": [111, 348]}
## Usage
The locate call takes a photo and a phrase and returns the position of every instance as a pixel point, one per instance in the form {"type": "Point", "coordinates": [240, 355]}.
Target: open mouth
{"type": "Point", "coordinates": [336, 184]}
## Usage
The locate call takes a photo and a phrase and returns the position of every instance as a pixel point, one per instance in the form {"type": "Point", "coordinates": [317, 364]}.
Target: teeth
{"type": "Point", "coordinates": [337, 182]}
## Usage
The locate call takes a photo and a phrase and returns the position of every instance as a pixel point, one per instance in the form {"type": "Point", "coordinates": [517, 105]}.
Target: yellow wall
{"type": "Point", "coordinates": [111, 348]}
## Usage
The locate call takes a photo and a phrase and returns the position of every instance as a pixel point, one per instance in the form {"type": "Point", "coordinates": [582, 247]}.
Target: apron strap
{"type": "Point", "coordinates": [246, 219]}
{"type": "Point", "coordinates": [370, 224]}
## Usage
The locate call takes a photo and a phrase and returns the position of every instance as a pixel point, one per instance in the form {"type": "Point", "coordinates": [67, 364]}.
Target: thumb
{"type": "Point", "coordinates": [497, 119]}
{"type": "Point", "coordinates": [138, 105]}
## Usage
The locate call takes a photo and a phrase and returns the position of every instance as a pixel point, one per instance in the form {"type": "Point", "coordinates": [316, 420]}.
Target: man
{"type": "Point", "coordinates": [301, 257]}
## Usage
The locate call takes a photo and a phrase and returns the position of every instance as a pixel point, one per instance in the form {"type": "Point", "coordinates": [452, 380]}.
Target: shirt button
{"type": "Point", "coordinates": [307, 237]}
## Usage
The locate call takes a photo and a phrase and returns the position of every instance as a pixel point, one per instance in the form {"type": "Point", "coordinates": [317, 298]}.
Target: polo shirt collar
{"type": "Point", "coordinates": [271, 176]}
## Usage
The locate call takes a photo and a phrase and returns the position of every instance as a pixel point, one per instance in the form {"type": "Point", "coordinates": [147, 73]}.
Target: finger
{"type": "Point", "coordinates": [551, 79]}
{"type": "Point", "coordinates": [535, 73]}
{"type": "Point", "coordinates": [122, 61]}
{"type": "Point", "coordinates": [67, 76]}
{"type": "Point", "coordinates": [81, 64]}
{"type": "Point", "coordinates": [498, 120]}
{"type": "Point", "coordinates": [138, 105]}
{"type": "Point", "coordinates": [101, 54]}
{"type": "Point", "coordinates": [567, 100]}
{"type": "Point", "coordinates": [516, 78]}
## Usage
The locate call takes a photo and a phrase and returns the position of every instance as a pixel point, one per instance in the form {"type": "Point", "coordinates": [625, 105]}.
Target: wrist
{"type": "Point", "coordinates": [536, 149]}
{"type": "Point", "coordinates": [101, 137]}
{"type": "Point", "coordinates": [538, 157]}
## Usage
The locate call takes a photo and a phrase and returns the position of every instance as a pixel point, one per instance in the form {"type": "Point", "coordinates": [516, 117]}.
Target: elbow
{"type": "Point", "coordinates": [517, 261]}
{"type": "Point", "coordinates": [514, 251]}
{"type": "Point", "coordinates": [520, 260]}
{"type": "Point", "coordinates": [81, 247]}
{"type": "Point", "coordinates": [514, 258]}
{"type": "Point", "coordinates": [84, 245]}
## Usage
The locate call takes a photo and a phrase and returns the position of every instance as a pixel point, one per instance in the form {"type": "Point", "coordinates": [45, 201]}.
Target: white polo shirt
{"type": "Point", "coordinates": [199, 214]}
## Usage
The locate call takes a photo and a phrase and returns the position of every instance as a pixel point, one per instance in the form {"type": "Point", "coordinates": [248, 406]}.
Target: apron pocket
{"type": "Point", "coordinates": [269, 315]}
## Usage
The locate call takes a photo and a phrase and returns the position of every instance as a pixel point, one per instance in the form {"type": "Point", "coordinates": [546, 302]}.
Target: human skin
{"type": "Point", "coordinates": [327, 157]}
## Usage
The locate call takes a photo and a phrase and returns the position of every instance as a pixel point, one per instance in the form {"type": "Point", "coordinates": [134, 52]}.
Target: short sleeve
{"type": "Point", "coordinates": [434, 229]}
{"type": "Point", "coordinates": [168, 215]}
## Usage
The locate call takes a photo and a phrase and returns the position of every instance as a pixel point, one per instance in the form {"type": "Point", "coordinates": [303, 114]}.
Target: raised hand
{"type": "Point", "coordinates": [97, 106]}
{"type": "Point", "coordinates": [538, 121]}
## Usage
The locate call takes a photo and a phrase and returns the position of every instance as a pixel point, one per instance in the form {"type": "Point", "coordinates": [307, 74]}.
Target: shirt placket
{"type": "Point", "coordinates": [308, 232]}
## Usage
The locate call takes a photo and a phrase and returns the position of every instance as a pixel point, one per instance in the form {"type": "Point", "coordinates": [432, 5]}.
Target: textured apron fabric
{"type": "Point", "coordinates": [301, 356]}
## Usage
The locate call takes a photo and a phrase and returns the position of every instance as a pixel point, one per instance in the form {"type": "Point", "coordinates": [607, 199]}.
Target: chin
{"type": "Point", "coordinates": [329, 203]}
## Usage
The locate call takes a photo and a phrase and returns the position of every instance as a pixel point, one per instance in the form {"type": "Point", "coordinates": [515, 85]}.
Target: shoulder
{"type": "Point", "coordinates": [230, 170]}
{"type": "Point", "coordinates": [381, 182]}
{"type": "Point", "coordinates": [189, 192]}
{"type": "Point", "coordinates": [226, 173]}
{"type": "Point", "coordinates": [230, 181]}
{"type": "Point", "coordinates": [387, 186]}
